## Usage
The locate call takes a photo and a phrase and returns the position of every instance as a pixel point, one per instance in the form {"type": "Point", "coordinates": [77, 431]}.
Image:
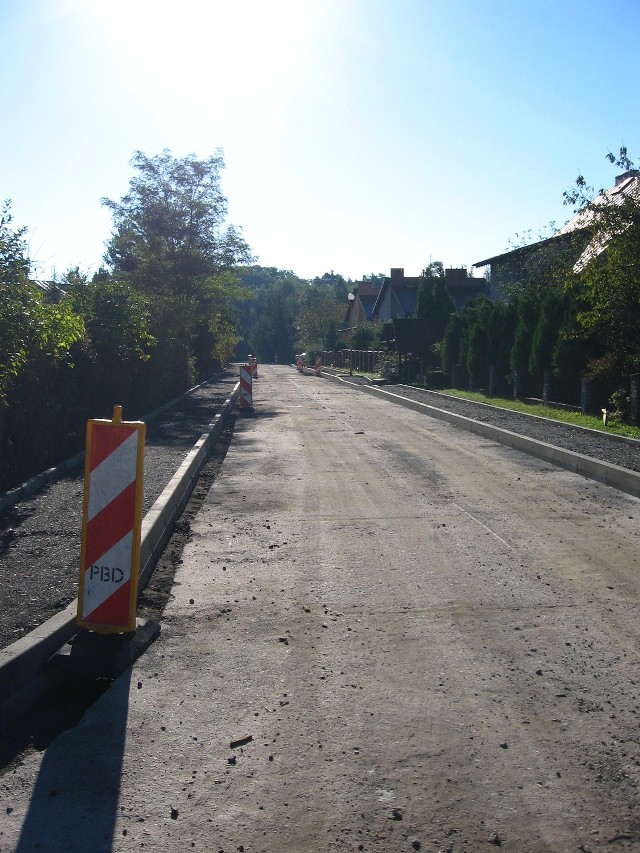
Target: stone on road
{"type": "Point", "coordinates": [386, 634]}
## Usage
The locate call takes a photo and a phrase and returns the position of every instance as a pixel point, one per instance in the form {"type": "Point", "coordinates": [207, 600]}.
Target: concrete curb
{"type": "Point", "coordinates": [22, 663]}
{"type": "Point", "coordinates": [615, 476]}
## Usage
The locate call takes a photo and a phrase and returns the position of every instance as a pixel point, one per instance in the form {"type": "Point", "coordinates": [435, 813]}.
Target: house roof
{"type": "Point", "coordinates": [627, 185]}
{"type": "Point", "coordinates": [404, 289]}
{"type": "Point", "coordinates": [514, 253]}
{"type": "Point", "coordinates": [367, 293]}
{"type": "Point", "coordinates": [407, 296]}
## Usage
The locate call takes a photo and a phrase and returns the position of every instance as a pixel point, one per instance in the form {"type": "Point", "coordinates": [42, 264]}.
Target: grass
{"type": "Point", "coordinates": [564, 415]}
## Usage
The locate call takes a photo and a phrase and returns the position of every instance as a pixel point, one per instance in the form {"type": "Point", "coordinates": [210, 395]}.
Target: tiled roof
{"type": "Point", "coordinates": [406, 296]}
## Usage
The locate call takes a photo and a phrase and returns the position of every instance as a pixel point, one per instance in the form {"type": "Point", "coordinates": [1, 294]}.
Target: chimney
{"type": "Point", "coordinates": [397, 273]}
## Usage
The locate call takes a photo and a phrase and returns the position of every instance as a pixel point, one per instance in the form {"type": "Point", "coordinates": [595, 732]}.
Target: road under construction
{"type": "Point", "coordinates": [386, 634]}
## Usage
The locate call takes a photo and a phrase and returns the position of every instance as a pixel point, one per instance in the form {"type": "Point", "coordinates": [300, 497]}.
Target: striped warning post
{"type": "Point", "coordinates": [318, 366]}
{"type": "Point", "coordinates": [246, 398]}
{"type": "Point", "coordinates": [111, 524]}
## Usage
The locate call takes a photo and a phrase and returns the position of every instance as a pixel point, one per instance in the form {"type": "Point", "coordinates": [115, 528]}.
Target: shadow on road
{"type": "Point", "coordinates": [75, 798]}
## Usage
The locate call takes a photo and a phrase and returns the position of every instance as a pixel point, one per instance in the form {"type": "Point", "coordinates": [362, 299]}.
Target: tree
{"type": "Point", "coordinates": [168, 232]}
{"type": "Point", "coordinates": [14, 261]}
{"type": "Point", "coordinates": [500, 334]}
{"type": "Point", "coordinates": [318, 317]}
{"type": "Point", "coordinates": [365, 336]}
{"type": "Point", "coordinates": [477, 356]}
{"type": "Point", "coordinates": [571, 354]}
{"type": "Point", "coordinates": [32, 332]}
{"type": "Point", "coordinates": [170, 242]}
{"type": "Point", "coordinates": [36, 340]}
{"type": "Point", "coordinates": [606, 281]}
{"type": "Point", "coordinates": [434, 307]}
{"type": "Point", "coordinates": [453, 351]}
{"type": "Point", "coordinates": [267, 312]}
{"type": "Point", "coordinates": [545, 334]}
{"type": "Point", "coordinates": [527, 317]}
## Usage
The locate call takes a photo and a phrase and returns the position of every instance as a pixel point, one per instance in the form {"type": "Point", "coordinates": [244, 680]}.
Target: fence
{"type": "Point", "coordinates": [364, 361]}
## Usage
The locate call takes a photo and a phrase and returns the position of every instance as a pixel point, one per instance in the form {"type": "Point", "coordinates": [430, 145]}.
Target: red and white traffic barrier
{"type": "Point", "coordinates": [111, 524]}
{"type": "Point", "coordinates": [299, 364]}
{"type": "Point", "coordinates": [253, 361]}
{"type": "Point", "coordinates": [245, 399]}
{"type": "Point", "coordinates": [318, 365]}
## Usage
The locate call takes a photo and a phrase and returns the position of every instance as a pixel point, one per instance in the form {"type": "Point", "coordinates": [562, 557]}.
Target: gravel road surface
{"type": "Point", "coordinates": [387, 634]}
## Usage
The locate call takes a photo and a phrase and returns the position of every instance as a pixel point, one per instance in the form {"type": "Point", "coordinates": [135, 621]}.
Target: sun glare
{"type": "Point", "coordinates": [230, 53]}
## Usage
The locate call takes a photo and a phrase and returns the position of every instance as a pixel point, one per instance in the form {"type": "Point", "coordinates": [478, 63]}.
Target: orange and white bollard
{"type": "Point", "coordinates": [245, 399]}
{"type": "Point", "coordinates": [111, 525]}
{"type": "Point", "coordinates": [318, 365]}
{"type": "Point", "coordinates": [253, 361]}
{"type": "Point", "coordinates": [300, 364]}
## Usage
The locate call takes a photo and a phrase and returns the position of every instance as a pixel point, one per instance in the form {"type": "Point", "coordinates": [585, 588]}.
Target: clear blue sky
{"type": "Point", "coordinates": [357, 134]}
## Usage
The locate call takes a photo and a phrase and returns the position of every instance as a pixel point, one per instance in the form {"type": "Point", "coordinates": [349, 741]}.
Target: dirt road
{"type": "Point", "coordinates": [386, 635]}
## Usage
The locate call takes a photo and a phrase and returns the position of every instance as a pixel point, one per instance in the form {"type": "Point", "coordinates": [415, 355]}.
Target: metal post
{"type": "Point", "coordinates": [585, 394]}
{"type": "Point", "coordinates": [546, 386]}
{"type": "Point", "coordinates": [634, 387]}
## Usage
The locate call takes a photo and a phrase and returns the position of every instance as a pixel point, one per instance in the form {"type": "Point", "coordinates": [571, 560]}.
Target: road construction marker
{"type": "Point", "coordinates": [246, 387]}
{"type": "Point", "coordinates": [111, 524]}
{"type": "Point", "coordinates": [318, 365]}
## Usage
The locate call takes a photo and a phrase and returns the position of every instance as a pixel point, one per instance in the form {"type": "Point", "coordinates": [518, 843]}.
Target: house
{"type": "Point", "coordinates": [397, 296]}
{"type": "Point", "coordinates": [399, 293]}
{"type": "Point", "coordinates": [626, 186]}
{"type": "Point", "coordinates": [362, 300]}
{"type": "Point", "coordinates": [574, 237]}
{"type": "Point", "coordinates": [463, 288]}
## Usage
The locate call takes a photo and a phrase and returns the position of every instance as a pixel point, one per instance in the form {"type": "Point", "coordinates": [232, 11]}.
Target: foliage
{"type": "Point", "coordinates": [606, 283]}
{"type": "Point", "coordinates": [170, 243]}
{"type": "Point", "coordinates": [268, 313]}
{"type": "Point", "coordinates": [37, 340]}
{"type": "Point", "coordinates": [14, 261]}
{"type": "Point", "coordinates": [319, 315]}
{"type": "Point", "coordinates": [31, 332]}
{"type": "Point", "coordinates": [168, 232]}
{"type": "Point", "coordinates": [282, 314]}
{"type": "Point", "coordinates": [118, 339]}
{"type": "Point", "coordinates": [433, 302]}
{"type": "Point", "coordinates": [454, 340]}
{"type": "Point", "coordinates": [434, 306]}
{"type": "Point", "coordinates": [477, 348]}
{"type": "Point", "coordinates": [365, 336]}
{"type": "Point", "coordinates": [545, 333]}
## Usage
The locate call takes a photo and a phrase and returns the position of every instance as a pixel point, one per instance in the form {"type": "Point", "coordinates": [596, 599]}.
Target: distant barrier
{"type": "Point", "coordinates": [364, 361]}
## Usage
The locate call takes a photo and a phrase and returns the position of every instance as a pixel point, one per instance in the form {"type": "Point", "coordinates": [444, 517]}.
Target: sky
{"type": "Point", "coordinates": [358, 135]}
